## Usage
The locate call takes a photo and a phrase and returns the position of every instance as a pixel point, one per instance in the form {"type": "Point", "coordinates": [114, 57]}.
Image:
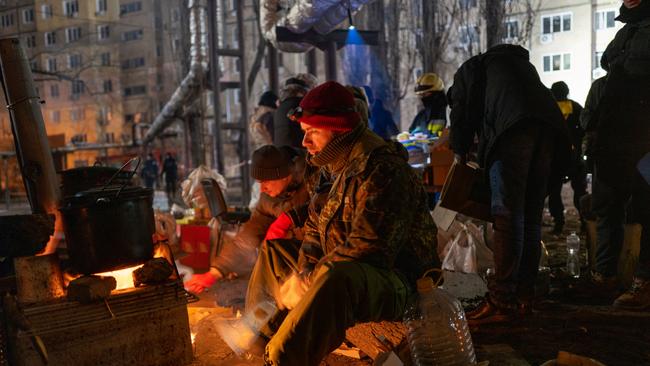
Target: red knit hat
{"type": "Point", "coordinates": [328, 106]}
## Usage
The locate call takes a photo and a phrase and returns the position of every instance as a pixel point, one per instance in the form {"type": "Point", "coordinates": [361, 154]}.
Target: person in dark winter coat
{"type": "Point", "coordinates": [381, 121]}
{"type": "Point", "coordinates": [577, 172]}
{"type": "Point", "coordinates": [433, 118]}
{"type": "Point", "coordinates": [622, 140]}
{"type": "Point", "coordinates": [149, 172]}
{"type": "Point", "coordinates": [365, 243]}
{"type": "Point", "coordinates": [261, 124]}
{"type": "Point", "coordinates": [286, 132]}
{"type": "Point", "coordinates": [170, 170]}
{"type": "Point", "coordinates": [499, 98]}
{"type": "Point", "coordinates": [280, 213]}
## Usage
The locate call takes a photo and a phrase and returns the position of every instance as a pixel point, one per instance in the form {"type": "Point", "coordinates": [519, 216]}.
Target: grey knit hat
{"type": "Point", "coordinates": [270, 163]}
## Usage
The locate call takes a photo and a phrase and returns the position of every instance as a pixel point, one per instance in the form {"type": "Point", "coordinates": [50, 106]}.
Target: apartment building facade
{"type": "Point", "coordinates": [102, 67]}
{"type": "Point", "coordinates": [568, 39]}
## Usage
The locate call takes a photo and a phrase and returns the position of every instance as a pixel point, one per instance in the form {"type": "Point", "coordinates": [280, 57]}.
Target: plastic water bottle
{"type": "Point", "coordinates": [437, 329]}
{"type": "Point", "coordinates": [573, 255]}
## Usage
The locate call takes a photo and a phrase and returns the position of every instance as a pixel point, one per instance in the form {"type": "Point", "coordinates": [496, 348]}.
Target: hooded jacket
{"type": "Point", "coordinates": [375, 212]}
{"type": "Point", "coordinates": [494, 91]}
{"type": "Point", "coordinates": [239, 255]}
{"type": "Point", "coordinates": [623, 127]}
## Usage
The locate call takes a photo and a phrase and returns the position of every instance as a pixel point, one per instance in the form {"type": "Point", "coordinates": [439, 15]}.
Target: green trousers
{"type": "Point", "coordinates": [341, 295]}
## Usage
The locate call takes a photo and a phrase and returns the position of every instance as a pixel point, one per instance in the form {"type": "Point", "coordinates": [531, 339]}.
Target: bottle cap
{"type": "Point", "coordinates": [425, 284]}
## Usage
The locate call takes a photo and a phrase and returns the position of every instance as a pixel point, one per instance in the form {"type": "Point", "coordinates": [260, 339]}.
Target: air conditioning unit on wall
{"type": "Point", "coordinates": [546, 38]}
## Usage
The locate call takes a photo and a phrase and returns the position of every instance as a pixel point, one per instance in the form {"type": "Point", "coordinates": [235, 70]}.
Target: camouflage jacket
{"type": "Point", "coordinates": [375, 211]}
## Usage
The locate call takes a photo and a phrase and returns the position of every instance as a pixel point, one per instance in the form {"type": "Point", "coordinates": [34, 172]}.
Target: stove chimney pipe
{"type": "Point", "coordinates": [30, 138]}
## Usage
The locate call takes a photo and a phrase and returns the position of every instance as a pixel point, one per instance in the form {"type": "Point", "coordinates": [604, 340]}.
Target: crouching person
{"type": "Point", "coordinates": [368, 236]}
{"type": "Point", "coordinates": [280, 172]}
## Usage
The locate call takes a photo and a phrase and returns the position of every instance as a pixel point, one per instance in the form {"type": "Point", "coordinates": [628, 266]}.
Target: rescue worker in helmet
{"type": "Point", "coordinates": [433, 118]}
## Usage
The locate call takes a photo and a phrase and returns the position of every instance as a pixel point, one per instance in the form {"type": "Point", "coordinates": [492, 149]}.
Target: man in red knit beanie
{"type": "Point", "coordinates": [368, 236]}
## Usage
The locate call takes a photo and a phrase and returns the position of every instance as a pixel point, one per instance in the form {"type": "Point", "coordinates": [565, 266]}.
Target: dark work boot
{"type": "Point", "coordinates": [636, 298]}
{"type": "Point", "coordinates": [489, 313]}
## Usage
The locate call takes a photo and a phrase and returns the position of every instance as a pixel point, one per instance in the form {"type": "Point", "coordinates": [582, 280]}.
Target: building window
{"type": "Point", "coordinates": [74, 61]}
{"type": "Point", "coordinates": [33, 64]}
{"type": "Point", "coordinates": [77, 87]}
{"type": "Point", "coordinates": [50, 38]}
{"type": "Point", "coordinates": [176, 15]}
{"type": "Point", "coordinates": [468, 35]}
{"type": "Point", "coordinates": [130, 7]}
{"type": "Point", "coordinates": [511, 29]}
{"type": "Point", "coordinates": [31, 41]}
{"type": "Point", "coordinates": [28, 15]}
{"type": "Point", "coordinates": [51, 64]}
{"type": "Point", "coordinates": [46, 11]}
{"type": "Point", "coordinates": [597, 57]}
{"type": "Point", "coordinates": [54, 90]}
{"type": "Point", "coordinates": [71, 8]}
{"type": "Point", "coordinates": [108, 86]}
{"type": "Point", "coordinates": [557, 62]}
{"type": "Point", "coordinates": [76, 114]}
{"type": "Point", "coordinates": [7, 20]}
{"type": "Point", "coordinates": [132, 35]}
{"type": "Point", "coordinates": [132, 63]}
{"type": "Point", "coordinates": [135, 90]}
{"type": "Point", "coordinates": [101, 6]}
{"type": "Point", "coordinates": [605, 19]}
{"type": "Point", "coordinates": [72, 34]}
{"type": "Point", "coordinates": [556, 23]}
{"type": "Point", "coordinates": [105, 59]}
{"type": "Point", "coordinates": [103, 32]}
{"type": "Point", "coordinates": [55, 116]}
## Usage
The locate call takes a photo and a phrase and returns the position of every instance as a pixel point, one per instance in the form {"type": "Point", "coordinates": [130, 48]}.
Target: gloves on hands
{"type": "Point", "coordinates": [279, 228]}
{"type": "Point", "coordinates": [199, 282]}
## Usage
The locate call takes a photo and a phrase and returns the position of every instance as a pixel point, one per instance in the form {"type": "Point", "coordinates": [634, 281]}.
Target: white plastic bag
{"type": "Point", "coordinates": [467, 251]}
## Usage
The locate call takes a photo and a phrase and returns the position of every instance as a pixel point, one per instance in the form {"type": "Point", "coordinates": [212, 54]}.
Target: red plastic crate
{"type": "Point", "coordinates": [195, 241]}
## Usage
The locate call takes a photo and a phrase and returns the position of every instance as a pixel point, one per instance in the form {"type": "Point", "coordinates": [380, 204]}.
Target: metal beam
{"type": "Point", "coordinates": [215, 77]}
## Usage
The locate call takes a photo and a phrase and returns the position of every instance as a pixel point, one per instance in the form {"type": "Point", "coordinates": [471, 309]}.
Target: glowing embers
{"type": "Point", "coordinates": [123, 277]}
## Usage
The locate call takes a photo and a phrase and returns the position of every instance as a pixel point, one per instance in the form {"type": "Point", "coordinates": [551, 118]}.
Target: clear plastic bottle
{"type": "Point", "coordinates": [437, 329]}
{"type": "Point", "coordinates": [573, 255]}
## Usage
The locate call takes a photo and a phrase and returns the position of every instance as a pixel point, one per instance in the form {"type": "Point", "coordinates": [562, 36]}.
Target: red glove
{"type": "Point", "coordinates": [200, 282]}
{"type": "Point", "coordinates": [279, 228]}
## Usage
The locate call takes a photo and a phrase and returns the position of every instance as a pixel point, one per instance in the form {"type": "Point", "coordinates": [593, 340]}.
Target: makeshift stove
{"type": "Point", "coordinates": [133, 326]}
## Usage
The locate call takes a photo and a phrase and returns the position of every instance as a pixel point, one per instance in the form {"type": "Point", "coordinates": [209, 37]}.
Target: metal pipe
{"type": "Point", "coordinates": [330, 61]}
{"type": "Point", "coordinates": [215, 76]}
{"type": "Point", "coordinates": [243, 97]}
{"type": "Point", "coordinates": [274, 77]}
{"type": "Point", "coordinates": [191, 84]}
{"type": "Point", "coordinates": [312, 65]}
{"type": "Point", "coordinates": [32, 147]}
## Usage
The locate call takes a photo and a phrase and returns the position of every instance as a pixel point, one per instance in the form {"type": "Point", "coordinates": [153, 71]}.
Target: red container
{"type": "Point", "coordinates": [195, 241]}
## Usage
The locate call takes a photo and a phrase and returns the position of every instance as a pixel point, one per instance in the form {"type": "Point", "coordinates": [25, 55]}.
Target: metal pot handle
{"type": "Point", "coordinates": [122, 169]}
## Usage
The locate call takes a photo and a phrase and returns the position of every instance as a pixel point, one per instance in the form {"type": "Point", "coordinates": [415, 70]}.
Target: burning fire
{"type": "Point", "coordinates": [123, 277]}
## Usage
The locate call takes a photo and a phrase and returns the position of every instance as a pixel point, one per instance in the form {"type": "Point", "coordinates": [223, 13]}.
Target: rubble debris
{"type": "Point", "coordinates": [153, 272]}
{"type": "Point", "coordinates": [87, 289]}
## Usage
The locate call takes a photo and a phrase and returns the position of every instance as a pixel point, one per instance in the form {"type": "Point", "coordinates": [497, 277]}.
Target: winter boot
{"type": "Point", "coordinates": [637, 297]}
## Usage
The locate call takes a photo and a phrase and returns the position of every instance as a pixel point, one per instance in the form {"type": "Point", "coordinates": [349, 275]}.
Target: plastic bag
{"type": "Point", "coordinates": [191, 189]}
{"type": "Point", "coordinates": [467, 251]}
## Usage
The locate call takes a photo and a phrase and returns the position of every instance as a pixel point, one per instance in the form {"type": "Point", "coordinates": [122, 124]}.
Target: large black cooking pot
{"type": "Point", "coordinates": [108, 228]}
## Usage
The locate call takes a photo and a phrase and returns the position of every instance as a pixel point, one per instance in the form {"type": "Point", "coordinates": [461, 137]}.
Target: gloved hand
{"type": "Point", "coordinates": [279, 228]}
{"type": "Point", "coordinates": [199, 282]}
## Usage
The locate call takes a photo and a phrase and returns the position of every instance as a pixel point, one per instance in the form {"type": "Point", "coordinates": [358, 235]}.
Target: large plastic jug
{"type": "Point", "coordinates": [437, 329]}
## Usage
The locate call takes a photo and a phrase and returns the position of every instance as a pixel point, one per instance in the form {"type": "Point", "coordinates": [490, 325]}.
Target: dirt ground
{"type": "Point", "coordinates": [562, 321]}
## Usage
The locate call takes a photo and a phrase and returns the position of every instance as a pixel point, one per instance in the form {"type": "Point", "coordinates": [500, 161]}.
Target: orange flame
{"type": "Point", "coordinates": [124, 277]}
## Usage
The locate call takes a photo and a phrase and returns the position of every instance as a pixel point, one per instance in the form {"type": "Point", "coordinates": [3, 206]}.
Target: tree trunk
{"type": "Point", "coordinates": [494, 13]}
{"type": "Point", "coordinates": [428, 46]}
